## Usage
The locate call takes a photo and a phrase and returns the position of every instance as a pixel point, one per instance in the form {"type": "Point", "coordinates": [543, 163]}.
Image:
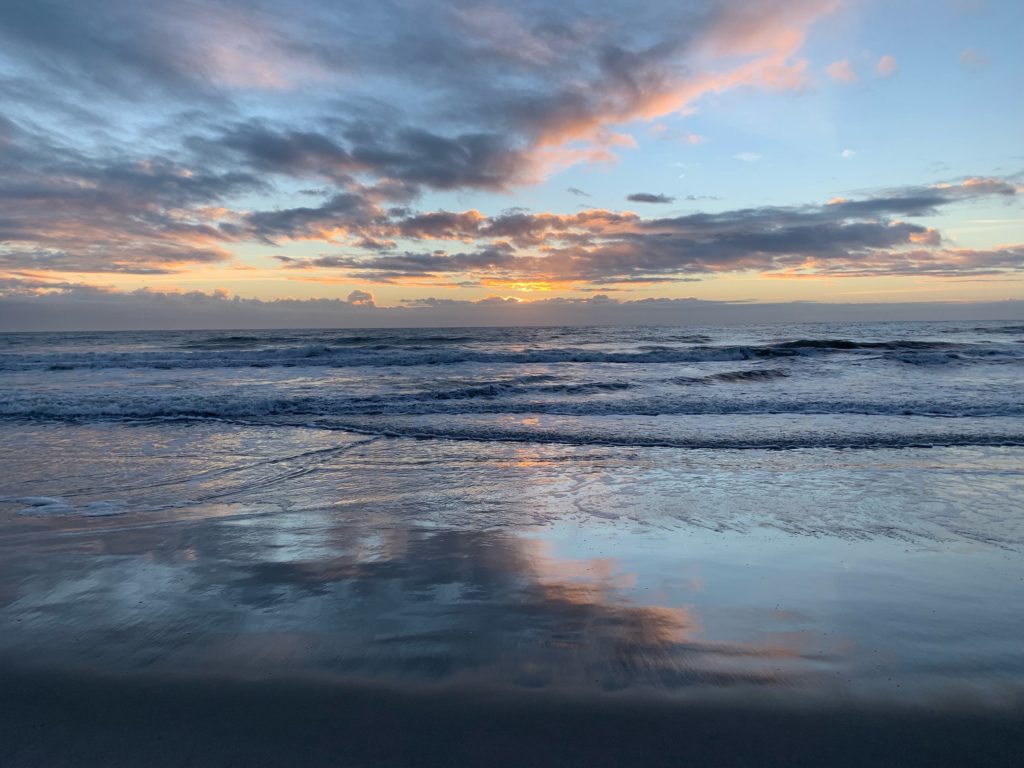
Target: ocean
{"type": "Point", "coordinates": [814, 526]}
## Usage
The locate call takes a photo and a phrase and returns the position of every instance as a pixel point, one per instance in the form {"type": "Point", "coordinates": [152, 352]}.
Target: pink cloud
{"type": "Point", "coordinates": [842, 70]}
{"type": "Point", "coordinates": [972, 59]}
{"type": "Point", "coordinates": [887, 66]}
{"type": "Point", "coordinates": [755, 45]}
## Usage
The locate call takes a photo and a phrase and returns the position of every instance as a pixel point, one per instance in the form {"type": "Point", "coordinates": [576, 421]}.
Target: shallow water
{"type": "Point", "coordinates": [556, 546]}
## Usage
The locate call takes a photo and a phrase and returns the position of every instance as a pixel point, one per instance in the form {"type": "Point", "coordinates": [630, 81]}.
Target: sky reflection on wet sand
{"type": "Point", "coordinates": [550, 567]}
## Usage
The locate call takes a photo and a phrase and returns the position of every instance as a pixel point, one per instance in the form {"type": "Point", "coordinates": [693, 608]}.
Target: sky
{"type": "Point", "coordinates": [452, 161]}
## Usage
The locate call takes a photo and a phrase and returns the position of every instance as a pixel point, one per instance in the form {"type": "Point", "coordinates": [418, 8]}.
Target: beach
{"type": "Point", "coordinates": [597, 546]}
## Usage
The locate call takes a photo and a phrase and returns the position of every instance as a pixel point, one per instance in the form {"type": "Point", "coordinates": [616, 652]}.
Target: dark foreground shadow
{"type": "Point", "coordinates": [56, 720]}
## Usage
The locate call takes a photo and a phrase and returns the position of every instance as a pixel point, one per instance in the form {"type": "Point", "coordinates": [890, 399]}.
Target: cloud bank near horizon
{"type": "Point", "coordinates": [85, 308]}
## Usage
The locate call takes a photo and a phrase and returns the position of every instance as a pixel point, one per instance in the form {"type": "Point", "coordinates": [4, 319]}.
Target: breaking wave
{"type": "Point", "coordinates": [234, 353]}
{"type": "Point", "coordinates": [493, 399]}
{"type": "Point", "coordinates": [734, 377]}
{"type": "Point", "coordinates": [777, 386]}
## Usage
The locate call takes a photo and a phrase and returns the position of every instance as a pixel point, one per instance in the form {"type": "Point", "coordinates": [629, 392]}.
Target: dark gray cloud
{"type": "Point", "coordinates": [344, 211]}
{"type": "Point", "coordinates": [389, 268]}
{"type": "Point", "coordinates": [358, 298]}
{"type": "Point", "coordinates": [468, 160]}
{"type": "Point", "coordinates": [300, 154]}
{"type": "Point", "coordinates": [87, 44]}
{"type": "Point", "coordinates": [410, 156]}
{"type": "Point", "coordinates": [66, 209]}
{"type": "Point", "coordinates": [649, 197]}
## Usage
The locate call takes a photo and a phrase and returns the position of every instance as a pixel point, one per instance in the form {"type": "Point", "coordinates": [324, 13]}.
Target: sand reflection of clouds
{"type": "Point", "coordinates": [413, 605]}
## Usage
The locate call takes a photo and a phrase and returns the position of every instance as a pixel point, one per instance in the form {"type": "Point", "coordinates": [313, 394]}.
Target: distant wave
{"type": "Point", "coordinates": [332, 355]}
{"type": "Point", "coordinates": [846, 344]}
{"type": "Point", "coordinates": [734, 377]}
{"type": "Point", "coordinates": [225, 342]}
{"type": "Point", "coordinates": [489, 399]}
{"type": "Point", "coordinates": [1008, 329]}
{"type": "Point", "coordinates": [370, 341]}
{"type": "Point", "coordinates": [535, 385]}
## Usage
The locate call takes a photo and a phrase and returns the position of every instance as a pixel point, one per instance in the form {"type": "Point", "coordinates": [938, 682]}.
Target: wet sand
{"type": "Point", "coordinates": [251, 596]}
{"type": "Point", "coordinates": [72, 719]}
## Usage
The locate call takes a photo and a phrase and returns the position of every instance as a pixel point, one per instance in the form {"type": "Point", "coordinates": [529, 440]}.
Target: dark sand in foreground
{"type": "Point", "coordinates": [74, 719]}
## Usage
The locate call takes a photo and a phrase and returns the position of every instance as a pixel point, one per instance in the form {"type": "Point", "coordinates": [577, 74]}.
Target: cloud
{"type": "Point", "coordinates": [651, 80]}
{"type": "Point", "coordinates": [83, 307]}
{"type": "Point", "coordinates": [343, 215]}
{"type": "Point", "coordinates": [973, 59]}
{"type": "Point", "coordinates": [887, 66]}
{"type": "Point", "coordinates": [842, 70]}
{"type": "Point", "coordinates": [867, 236]}
{"type": "Point", "coordinates": [71, 210]}
{"type": "Point", "coordinates": [387, 268]}
{"type": "Point", "coordinates": [649, 197]}
{"type": "Point", "coordinates": [577, 191]}
{"type": "Point", "coordinates": [150, 137]}
{"type": "Point", "coordinates": [413, 156]}
{"type": "Point", "coordinates": [300, 154]}
{"type": "Point", "coordinates": [360, 298]}
{"type": "Point", "coordinates": [686, 137]}
{"type": "Point", "coordinates": [847, 154]}
{"type": "Point", "coordinates": [844, 237]}
{"type": "Point", "coordinates": [499, 96]}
